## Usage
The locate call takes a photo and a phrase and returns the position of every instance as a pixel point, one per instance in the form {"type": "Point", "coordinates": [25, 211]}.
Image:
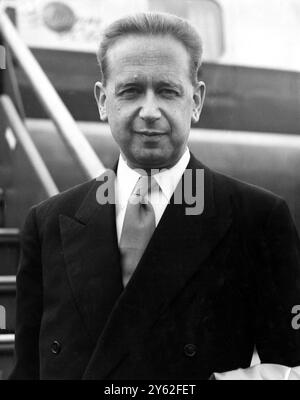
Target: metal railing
{"type": "Point", "coordinates": [7, 343]}
{"type": "Point", "coordinates": [73, 138]}
{"type": "Point", "coordinates": [19, 129]}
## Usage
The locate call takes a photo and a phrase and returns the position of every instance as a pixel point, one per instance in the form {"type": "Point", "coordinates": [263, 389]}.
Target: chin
{"type": "Point", "coordinates": [150, 158]}
{"type": "Point", "coordinates": [153, 162]}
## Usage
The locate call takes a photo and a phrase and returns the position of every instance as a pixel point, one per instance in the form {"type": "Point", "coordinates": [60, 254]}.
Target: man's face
{"type": "Point", "coordinates": [149, 100]}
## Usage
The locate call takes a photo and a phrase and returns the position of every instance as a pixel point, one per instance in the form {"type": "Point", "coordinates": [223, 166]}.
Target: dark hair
{"type": "Point", "coordinates": [152, 24]}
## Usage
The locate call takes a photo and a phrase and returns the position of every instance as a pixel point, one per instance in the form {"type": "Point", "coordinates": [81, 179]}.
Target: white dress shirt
{"type": "Point", "coordinates": [167, 181]}
{"type": "Point", "coordinates": [260, 372]}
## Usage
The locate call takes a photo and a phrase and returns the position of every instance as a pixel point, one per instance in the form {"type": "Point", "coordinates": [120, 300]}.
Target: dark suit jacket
{"type": "Point", "coordinates": [207, 289]}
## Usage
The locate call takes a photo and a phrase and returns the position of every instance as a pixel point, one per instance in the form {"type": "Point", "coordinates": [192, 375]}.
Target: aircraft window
{"type": "Point", "coordinates": [206, 15]}
{"type": "Point", "coordinates": [75, 25]}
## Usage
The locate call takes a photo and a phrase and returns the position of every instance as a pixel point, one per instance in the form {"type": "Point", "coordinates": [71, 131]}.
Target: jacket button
{"type": "Point", "coordinates": [190, 349]}
{"type": "Point", "coordinates": [55, 347]}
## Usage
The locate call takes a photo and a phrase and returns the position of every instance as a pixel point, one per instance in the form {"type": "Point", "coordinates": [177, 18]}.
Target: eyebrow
{"type": "Point", "coordinates": [121, 85]}
{"type": "Point", "coordinates": [138, 82]}
{"type": "Point", "coordinates": [171, 83]}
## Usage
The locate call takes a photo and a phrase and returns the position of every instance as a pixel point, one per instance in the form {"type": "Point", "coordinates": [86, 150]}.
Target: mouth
{"type": "Point", "coordinates": [150, 133]}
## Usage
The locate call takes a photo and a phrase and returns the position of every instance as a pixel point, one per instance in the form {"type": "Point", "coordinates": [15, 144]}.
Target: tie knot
{"type": "Point", "coordinates": [145, 185]}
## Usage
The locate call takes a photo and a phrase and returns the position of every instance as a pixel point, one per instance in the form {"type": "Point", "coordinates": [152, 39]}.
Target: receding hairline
{"type": "Point", "coordinates": [152, 25]}
{"type": "Point", "coordinates": [134, 36]}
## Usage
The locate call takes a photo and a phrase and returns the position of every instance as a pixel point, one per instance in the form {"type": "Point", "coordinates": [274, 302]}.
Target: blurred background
{"type": "Point", "coordinates": [256, 33]}
{"type": "Point", "coordinates": [50, 135]}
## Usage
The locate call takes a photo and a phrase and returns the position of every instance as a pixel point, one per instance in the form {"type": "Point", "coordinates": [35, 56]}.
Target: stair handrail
{"type": "Point", "coordinates": [7, 339]}
{"type": "Point", "coordinates": [73, 138]}
{"type": "Point", "coordinates": [23, 136]}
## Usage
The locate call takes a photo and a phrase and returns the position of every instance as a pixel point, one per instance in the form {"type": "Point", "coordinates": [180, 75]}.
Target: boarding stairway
{"type": "Point", "coordinates": [25, 178]}
{"type": "Point", "coordinates": [40, 157]}
{"type": "Point", "coordinates": [9, 256]}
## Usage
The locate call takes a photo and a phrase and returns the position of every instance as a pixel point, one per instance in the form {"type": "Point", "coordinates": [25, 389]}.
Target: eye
{"type": "Point", "coordinates": [129, 92]}
{"type": "Point", "coordinates": [168, 92]}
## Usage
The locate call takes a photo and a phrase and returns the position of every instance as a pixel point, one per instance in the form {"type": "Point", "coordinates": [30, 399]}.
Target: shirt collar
{"type": "Point", "coordinates": [167, 179]}
{"type": "Point", "coordinates": [125, 182]}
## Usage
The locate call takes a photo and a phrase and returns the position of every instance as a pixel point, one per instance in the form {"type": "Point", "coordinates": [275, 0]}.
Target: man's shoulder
{"type": "Point", "coordinates": [225, 185]}
{"type": "Point", "coordinates": [244, 189]}
{"type": "Point", "coordinates": [66, 202]}
{"type": "Point", "coordinates": [251, 200]}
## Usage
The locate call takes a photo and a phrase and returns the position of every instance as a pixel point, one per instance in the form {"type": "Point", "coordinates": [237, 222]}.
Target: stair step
{"type": "Point", "coordinates": [9, 250]}
{"type": "Point", "coordinates": [1, 207]}
{"type": "Point", "coordinates": [6, 354]}
{"type": "Point", "coordinates": [8, 302]}
{"type": "Point", "coordinates": [9, 235]}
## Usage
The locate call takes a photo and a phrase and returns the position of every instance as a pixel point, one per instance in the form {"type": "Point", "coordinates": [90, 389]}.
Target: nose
{"type": "Point", "coordinates": [150, 111]}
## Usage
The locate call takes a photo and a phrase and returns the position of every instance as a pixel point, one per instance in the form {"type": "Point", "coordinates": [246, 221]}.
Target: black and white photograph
{"type": "Point", "coordinates": [149, 192]}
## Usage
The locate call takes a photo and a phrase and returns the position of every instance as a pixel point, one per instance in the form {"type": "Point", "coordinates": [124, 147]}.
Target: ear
{"type": "Point", "coordinates": [100, 96]}
{"type": "Point", "coordinates": [199, 96]}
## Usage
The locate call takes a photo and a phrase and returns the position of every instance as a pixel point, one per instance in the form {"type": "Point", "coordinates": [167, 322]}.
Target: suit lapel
{"type": "Point", "coordinates": [179, 247]}
{"type": "Point", "coordinates": [92, 259]}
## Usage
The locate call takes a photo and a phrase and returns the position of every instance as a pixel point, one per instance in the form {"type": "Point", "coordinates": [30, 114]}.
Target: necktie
{"type": "Point", "coordinates": [138, 226]}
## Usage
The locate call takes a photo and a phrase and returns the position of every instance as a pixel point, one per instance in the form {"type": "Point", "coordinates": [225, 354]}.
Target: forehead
{"type": "Point", "coordinates": [151, 56]}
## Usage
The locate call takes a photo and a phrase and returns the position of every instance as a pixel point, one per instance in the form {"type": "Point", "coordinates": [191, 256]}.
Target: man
{"type": "Point", "coordinates": [145, 289]}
